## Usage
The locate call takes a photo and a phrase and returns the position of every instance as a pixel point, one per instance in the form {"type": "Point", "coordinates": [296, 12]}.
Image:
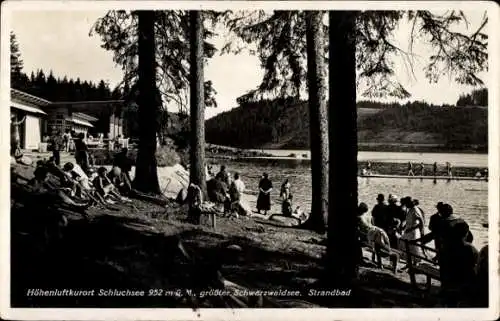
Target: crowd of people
{"type": "Point", "coordinates": [462, 269]}
{"type": "Point", "coordinates": [227, 191]}
{"type": "Point", "coordinates": [79, 187]}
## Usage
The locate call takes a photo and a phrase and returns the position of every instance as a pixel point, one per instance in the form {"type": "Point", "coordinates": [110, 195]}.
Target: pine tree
{"type": "Point", "coordinates": [318, 114]}
{"type": "Point", "coordinates": [281, 46]}
{"type": "Point", "coordinates": [16, 63]}
{"type": "Point", "coordinates": [146, 178]}
{"type": "Point", "coordinates": [51, 92]}
{"type": "Point", "coordinates": [197, 150]}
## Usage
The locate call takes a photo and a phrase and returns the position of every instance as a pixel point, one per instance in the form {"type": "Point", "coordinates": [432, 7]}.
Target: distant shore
{"type": "Point", "coordinates": [365, 147]}
{"type": "Point", "coordinates": [380, 168]}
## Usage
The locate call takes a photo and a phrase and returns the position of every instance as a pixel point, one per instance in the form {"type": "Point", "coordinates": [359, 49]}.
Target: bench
{"type": "Point", "coordinates": [429, 268]}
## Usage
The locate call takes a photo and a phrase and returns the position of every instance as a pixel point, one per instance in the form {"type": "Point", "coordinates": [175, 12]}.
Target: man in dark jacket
{"type": "Point", "coordinates": [379, 213]}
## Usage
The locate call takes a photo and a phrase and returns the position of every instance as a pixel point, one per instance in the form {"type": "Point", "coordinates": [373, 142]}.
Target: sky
{"type": "Point", "coordinates": [60, 41]}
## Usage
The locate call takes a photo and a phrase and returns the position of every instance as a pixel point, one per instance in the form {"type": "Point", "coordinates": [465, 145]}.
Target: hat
{"type": "Point", "coordinates": [393, 198]}
{"type": "Point", "coordinates": [380, 197]}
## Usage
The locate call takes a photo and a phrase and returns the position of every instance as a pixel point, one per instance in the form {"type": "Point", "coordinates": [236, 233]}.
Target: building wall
{"type": "Point", "coordinates": [115, 126]}
{"type": "Point", "coordinates": [58, 120]}
{"type": "Point", "coordinates": [33, 135]}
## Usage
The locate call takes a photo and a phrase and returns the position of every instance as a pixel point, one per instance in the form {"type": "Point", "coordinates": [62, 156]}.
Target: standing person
{"type": "Point", "coordinates": [15, 149]}
{"type": "Point", "coordinates": [458, 261]}
{"type": "Point", "coordinates": [410, 169]}
{"type": "Point", "coordinates": [379, 213]}
{"type": "Point", "coordinates": [57, 146]}
{"type": "Point", "coordinates": [264, 198]}
{"type": "Point", "coordinates": [285, 190]}
{"type": "Point", "coordinates": [435, 169]}
{"type": "Point", "coordinates": [414, 226]}
{"type": "Point", "coordinates": [237, 188]}
{"type": "Point", "coordinates": [369, 168]}
{"type": "Point", "coordinates": [66, 140]}
{"type": "Point", "coordinates": [223, 175]}
{"type": "Point", "coordinates": [422, 169]}
{"type": "Point", "coordinates": [416, 202]}
{"type": "Point", "coordinates": [395, 219]}
{"type": "Point", "coordinates": [449, 169]}
{"type": "Point", "coordinates": [286, 206]}
{"type": "Point", "coordinates": [82, 153]}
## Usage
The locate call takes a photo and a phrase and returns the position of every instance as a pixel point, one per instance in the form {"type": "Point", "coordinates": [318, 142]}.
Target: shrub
{"type": "Point", "coordinates": [166, 156]}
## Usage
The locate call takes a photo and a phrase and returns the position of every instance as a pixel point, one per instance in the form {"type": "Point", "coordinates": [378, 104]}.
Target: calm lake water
{"type": "Point", "coordinates": [468, 198]}
{"type": "Point", "coordinates": [456, 159]}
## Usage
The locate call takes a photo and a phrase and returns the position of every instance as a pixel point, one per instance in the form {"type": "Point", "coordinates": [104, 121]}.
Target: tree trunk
{"type": "Point", "coordinates": [342, 247]}
{"type": "Point", "coordinates": [197, 150]}
{"type": "Point", "coordinates": [146, 174]}
{"type": "Point", "coordinates": [318, 113]}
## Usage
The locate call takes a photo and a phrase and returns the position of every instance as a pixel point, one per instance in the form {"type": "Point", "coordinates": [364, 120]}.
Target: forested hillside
{"type": "Point", "coordinates": [285, 124]}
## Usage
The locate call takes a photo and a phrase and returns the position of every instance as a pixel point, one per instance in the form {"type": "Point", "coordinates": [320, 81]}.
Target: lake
{"type": "Point", "coordinates": [468, 198]}
{"type": "Point", "coordinates": [456, 159]}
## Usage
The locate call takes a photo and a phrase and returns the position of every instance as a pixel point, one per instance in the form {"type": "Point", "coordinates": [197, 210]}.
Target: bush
{"type": "Point", "coordinates": [166, 156]}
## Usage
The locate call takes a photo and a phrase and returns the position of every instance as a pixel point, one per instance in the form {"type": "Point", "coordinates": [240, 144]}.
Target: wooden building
{"type": "Point", "coordinates": [108, 115]}
{"type": "Point", "coordinates": [26, 110]}
{"type": "Point", "coordinates": [38, 117]}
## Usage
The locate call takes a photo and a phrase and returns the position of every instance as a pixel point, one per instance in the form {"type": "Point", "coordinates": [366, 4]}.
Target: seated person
{"type": "Point", "coordinates": [381, 247]}
{"type": "Point", "coordinates": [376, 237]}
{"type": "Point", "coordinates": [75, 173]}
{"type": "Point", "coordinates": [47, 194]}
{"type": "Point", "coordinates": [120, 180]}
{"type": "Point", "coordinates": [299, 214]}
{"type": "Point", "coordinates": [105, 187]}
{"type": "Point", "coordinates": [55, 170]}
{"type": "Point", "coordinates": [217, 192]}
{"type": "Point", "coordinates": [122, 161]}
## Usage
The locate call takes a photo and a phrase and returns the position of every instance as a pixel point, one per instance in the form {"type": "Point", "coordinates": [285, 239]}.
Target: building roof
{"type": "Point", "coordinates": [25, 107]}
{"type": "Point", "coordinates": [83, 116]}
{"type": "Point", "coordinates": [30, 103]}
{"type": "Point", "coordinates": [81, 122]}
{"type": "Point", "coordinates": [26, 98]}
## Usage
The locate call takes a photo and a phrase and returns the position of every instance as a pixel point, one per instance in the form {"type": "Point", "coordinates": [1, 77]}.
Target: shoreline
{"type": "Point", "coordinates": [384, 168]}
{"type": "Point", "coordinates": [362, 147]}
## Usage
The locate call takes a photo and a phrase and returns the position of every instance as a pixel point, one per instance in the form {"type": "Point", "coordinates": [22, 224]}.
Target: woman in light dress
{"type": "Point", "coordinates": [414, 227]}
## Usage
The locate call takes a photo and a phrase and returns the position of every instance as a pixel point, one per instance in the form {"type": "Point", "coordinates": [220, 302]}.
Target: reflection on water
{"type": "Point", "coordinates": [468, 198]}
